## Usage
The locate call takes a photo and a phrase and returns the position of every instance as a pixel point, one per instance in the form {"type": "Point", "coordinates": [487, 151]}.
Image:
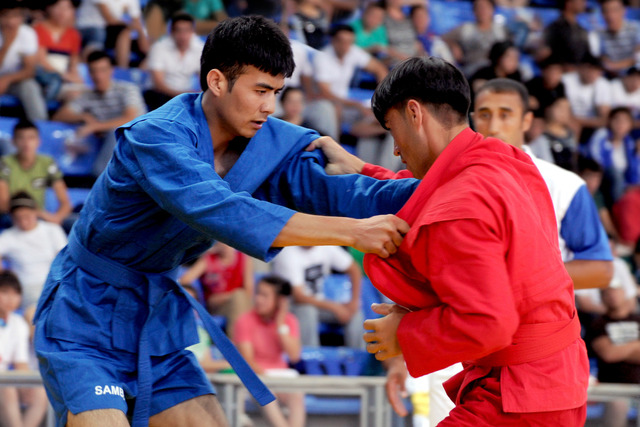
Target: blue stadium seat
{"type": "Point", "coordinates": [369, 295]}
{"type": "Point", "coordinates": [334, 361]}
{"type": "Point", "coordinates": [446, 15]}
{"type": "Point", "coordinates": [142, 78]}
{"type": "Point", "coordinates": [55, 137]}
{"type": "Point", "coordinates": [77, 197]}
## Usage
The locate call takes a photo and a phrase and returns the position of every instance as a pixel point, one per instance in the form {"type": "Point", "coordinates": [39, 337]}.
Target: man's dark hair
{"type": "Point", "coordinates": [434, 82]}
{"type": "Point", "coordinates": [97, 55]}
{"type": "Point", "coordinates": [619, 110]}
{"type": "Point", "coordinates": [341, 27]}
{"type": "Point", "coordinates": [415, 8]}
{"type": "Point", "coordinates": [246, 41]}
{"type": "Point", "coordinates": [493, 3]}
{"type": "Point", "coordinates": [502, 85]}
{"type": "Point", "coordinates": [181, 17]}
{"type": "Point", "coordinates": [550, 60]}
{"type": "Point", "coordinates": [498, 50]}
{"type": "Point", "coordinates": [282, 286]}
{"type": "Point", "coordinates": [8, 279]}
{"type": "Point", "coordinates": [11, 4]}
{"type": "Point", "coordinates": [588, 164]}
{"type": "Point", "coordinates": [602, 2]}
{"type": "Point", "coordinates": [24, 124]}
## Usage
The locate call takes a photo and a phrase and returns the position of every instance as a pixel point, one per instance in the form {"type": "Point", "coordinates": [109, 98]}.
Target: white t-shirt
{"type": "Point", "coordinates": [622, 98]}
{"type": "Point", "coordinates": [308, 266]}
{"type": "Point", "coordinates": [30, 254]}
{"type": "Point", "coordinates": [89, 15]}
{"type": "Point", "coordinates": [302, 56]}
{"type": "Point", "coordinates": [585, 98]}
{"type": "Point", "coordinates": [25, 44]}
{"type": "Point", "coordinates": [14, 342]}
{"type": "Point", "coordinates": [178, 68]}
{"type": "Point", "coordinates": [338, 73]}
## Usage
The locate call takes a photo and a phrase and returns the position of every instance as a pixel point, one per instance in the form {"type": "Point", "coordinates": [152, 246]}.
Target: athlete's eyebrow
{"type": "Point", "coordinates": [266, 86]}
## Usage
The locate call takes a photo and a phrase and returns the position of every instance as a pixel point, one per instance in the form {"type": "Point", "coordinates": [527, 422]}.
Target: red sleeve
{"type": "Point", "coordinates": [464, 261]}
{"type": "Point", "coordinates": [42, 34]}
{"type": "Point", "coordinates": [378, 172]}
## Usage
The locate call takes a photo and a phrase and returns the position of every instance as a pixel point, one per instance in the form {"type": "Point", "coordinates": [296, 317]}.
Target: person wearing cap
{"type": "Point", "coordinates": [615, 340]}
{"type": "Point", "coordinates": [30, 246]}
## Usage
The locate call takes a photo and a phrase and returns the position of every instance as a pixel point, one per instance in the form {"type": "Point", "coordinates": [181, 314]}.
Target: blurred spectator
{"type": "Point", "coordinates": [615, 150]}
{"type": "Point", "coordinates": [204, 349]}
{"type": "Point", "coordinates": [59, 51]}
{"type": "Point", "coordinates": [307, 268]}
{"type": "Point", "coordinates": [226, 276]}
{"type": "Point", "coordinates": [335, 70]}
{"type": "Point", "coordinates": [111, 103]}
{"type": "Point", "coordinates": [625, 92]}
{"type": "Point", "coordinates": [471, 42]}
{"type": "Point", "coordinates": [615, 339]}
{"type": "Point", "coordinates": [432, 45]}
{"type": "Point", "coordinates": [591, 172]}
{"type": "Point", "coordinates": [547, 87]}
{"type": "Point", "coordinates": [310, 23]}
{"type": "Point", "coordinates": [272, 9]}
{"type": "Point", "coordinates": [207, 14]}
{"type": "Point", "coordinates": [620, 40]}
{"type": "Point", "coordinates": [626, 212]}
{"type": "Point", "coordinates": [589, 94]}
{"type": "Point", "coordinates": [30, 246]}
{"type": "Point", "coordinates": [18, 55]}
{"type": "Point", "coordinates": [590, 301]}
{"type": "Point", "coordinates": [504, 58]}
{"type": "Point", "coordinates": [558, 143]}
{"type": "Point", "coordinates": [320, 114]}
{"type": "Point", "coordinates": [293, 105]}
{"type": "Point", "coordinates": [371, 34]}
{"type": "Point", "coordinates": [266, 335]}
{"type": "Point", "coordinates": [565, 38]}
{"type": "Point", "coordinates": [108, 24]}
{"type": "Point", "coordinates": [174, 61]}
{"type": "Point", "coordinates": [28, 171]}
{"type": "Point", "coordinates": [14, 354]}
{"type": "Point", "coordinates": [157, 14]}
{"type": "Point", "coordinates": [402, 36]}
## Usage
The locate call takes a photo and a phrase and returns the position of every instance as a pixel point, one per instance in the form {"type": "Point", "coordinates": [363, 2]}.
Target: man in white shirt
{"type": "Point", "coordinates": [30, 246]}
{"type": "Point", "coordinates": [625, 92]}
{"type": "Point", "coordinates": [18, 49]}
{"type": "Point", "coordinates": [306, 268]}
{"type": "Point", "coordinates": [589, 93]}
{"type": "Point", "coordinates": [335, 69]}
{"type": "Point", "coordinates": [174, 62]}
{"type": "Point", "coordinates": [14, 354]}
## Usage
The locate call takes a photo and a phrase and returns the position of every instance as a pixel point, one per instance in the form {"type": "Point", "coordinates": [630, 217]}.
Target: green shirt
{"type": "Point", "coordinates": [365, 39]}
{"type": "Point", "coordinates": [34, 181]}
{"type": "Point", "coordinates": [203, 9]}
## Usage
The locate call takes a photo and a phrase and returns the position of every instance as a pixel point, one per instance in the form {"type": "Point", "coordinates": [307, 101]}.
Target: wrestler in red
{"type": "Point", "coordinates": [479, 278]}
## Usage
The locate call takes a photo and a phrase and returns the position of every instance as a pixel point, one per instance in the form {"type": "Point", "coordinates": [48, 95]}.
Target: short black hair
{"type": "Point", "coordinates": [287, 91]}
{"type": "Point", "coordinates": [341, 27]}
{"type": "Point", "coordinates": [498, 50]}
{"type": "Point", "coordinates": [502, 85]}
{"type": "Point", "coordinates": [588, 164]}
{"type": "Point", "coordinates": [550, 61]}
{"type": "Point", "coordinates": [282, 286]}
{"type": "Point", "coordinates": [8, 279]}
{"type": "Point", "coordinates": [493, 3]}
{"type": "Point", "coordinates": [415, 8]}
{"type": "Point", "coordinates": [11, 4]}
{"type": "Point", "coordinates": [97, 55]}
{"type": "Point", "coordinates": [436, 83]}
{"type": "Point", "coordinates": [618, 110]}
{"type": "Point", "coordinates": [181, 16]}
{"type": "Point", "coordinates": [246, 41]}
{"type": "Point", "coordinates": [24, 124]}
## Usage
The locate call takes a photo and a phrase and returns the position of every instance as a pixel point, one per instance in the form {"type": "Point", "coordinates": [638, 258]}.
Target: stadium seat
{"type": "Point", "coordinates": [334, 361]}
{"type": "Point", "coordinates": [77, 197]}
{"type": "Point", "coordinates": [56, 139]}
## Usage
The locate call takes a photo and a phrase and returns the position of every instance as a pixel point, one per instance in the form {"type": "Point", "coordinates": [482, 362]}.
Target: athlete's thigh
{"type": "Point", "coordinates": [98, 418]}
{"type": "Point", "coordinates": [201, 411]}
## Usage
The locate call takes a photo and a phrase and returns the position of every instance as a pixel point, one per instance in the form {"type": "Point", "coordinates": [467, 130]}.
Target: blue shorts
{"type": "Point", "coordinates": [79, 378]}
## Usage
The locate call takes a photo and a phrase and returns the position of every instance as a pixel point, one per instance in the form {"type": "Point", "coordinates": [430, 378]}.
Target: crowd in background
{"type": "Point", "coordinates": [59, 59]}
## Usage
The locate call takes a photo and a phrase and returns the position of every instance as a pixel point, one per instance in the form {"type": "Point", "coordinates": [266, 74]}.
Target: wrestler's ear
{"type": "Point", "coordinates": [413, 112]}
{"type": "Point", "coordinates": [217, 82]}
{"type": "Point", "coordinates": [527, 120]}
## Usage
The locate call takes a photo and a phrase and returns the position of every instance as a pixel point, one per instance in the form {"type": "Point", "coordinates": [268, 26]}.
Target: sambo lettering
{"type": "Point", "coordinates": [118, 391]}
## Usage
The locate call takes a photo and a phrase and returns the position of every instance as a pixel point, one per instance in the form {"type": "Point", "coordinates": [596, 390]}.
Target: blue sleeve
{"type": "Point", "coordinates": [582, 230]}
{"type": "Point", "coordinates": [303, 185]}
{"type": "Point", "coordinates": [172, 173]}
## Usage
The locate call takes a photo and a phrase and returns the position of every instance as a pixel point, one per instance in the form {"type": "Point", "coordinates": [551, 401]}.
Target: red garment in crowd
{"type": "Point", "coordinates": [219, 277]}
{"type": "Point", "coordinates": [481, 271]}
{"type": "Point", "coordinates": [69, 42]}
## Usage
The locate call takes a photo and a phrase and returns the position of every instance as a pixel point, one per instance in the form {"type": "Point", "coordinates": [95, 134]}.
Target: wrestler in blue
{"type": "Point", "coordinates": [112, 323]}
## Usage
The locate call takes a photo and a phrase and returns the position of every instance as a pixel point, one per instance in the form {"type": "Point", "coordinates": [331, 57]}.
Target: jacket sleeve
{"type": "Point", "coordinates": [378, 172]}
{"type": "Point", "coordinates": [465, 263]}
